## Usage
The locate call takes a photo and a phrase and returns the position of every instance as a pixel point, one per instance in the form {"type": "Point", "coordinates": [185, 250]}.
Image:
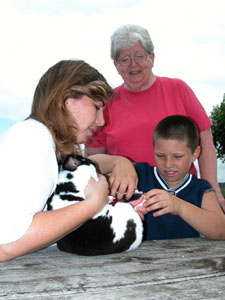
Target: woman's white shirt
{"type": "Point", "coordinates": [28, 176]}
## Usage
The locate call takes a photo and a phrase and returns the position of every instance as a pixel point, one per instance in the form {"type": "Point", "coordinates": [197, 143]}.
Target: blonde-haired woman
{"type": "Point", "coordinates": [67, 107]}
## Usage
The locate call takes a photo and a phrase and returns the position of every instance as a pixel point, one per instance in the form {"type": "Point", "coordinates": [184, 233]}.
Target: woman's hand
{"type": "Point", "coordinates": [120, 172]}
{"type": "Point", "coordinates": [123, 179]}
{"type": "Point", "coordinates": [97, 192]}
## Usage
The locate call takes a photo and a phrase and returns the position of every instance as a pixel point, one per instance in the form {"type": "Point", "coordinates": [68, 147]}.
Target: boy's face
{"type": "Point", "coordinates": [173, 158]}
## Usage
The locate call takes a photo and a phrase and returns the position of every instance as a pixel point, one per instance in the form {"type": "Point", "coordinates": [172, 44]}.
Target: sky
{"type": "Point", "coordinates": [188, 35]}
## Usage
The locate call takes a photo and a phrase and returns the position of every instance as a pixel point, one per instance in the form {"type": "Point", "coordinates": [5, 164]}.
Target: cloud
{"type": "Point", "coordinates": [59, 7]}
{"type": "Point", "coordinates": [189, 39]}
{"type": "Point", "coordinates": [188, 36]}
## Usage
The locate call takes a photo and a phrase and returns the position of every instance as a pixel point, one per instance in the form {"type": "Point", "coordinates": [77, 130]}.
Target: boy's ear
{"type": "Point", "coordinates": [196, 153]}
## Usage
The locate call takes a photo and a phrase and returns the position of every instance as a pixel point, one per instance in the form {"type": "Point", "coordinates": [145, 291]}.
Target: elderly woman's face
{"type": "Point", "coordinates": [135, 66]}
{"type": "Point", "coordinates": [87, 113]}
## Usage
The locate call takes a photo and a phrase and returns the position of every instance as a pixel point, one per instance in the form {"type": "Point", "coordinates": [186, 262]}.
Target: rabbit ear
{"type": "Point", "coordinates": [70, 163]}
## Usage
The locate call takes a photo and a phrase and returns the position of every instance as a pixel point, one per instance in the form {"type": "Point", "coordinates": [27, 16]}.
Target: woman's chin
{"type": "Point", "coordinates": [83, 139]}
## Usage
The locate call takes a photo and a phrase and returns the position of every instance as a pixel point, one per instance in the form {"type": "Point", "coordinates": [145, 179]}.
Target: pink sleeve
{"type": "Point", "coordinates": [193, 107]}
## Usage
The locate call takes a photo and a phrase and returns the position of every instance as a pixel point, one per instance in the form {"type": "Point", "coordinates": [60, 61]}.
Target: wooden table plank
{"type": "Point", "coordinates": [169, 269]}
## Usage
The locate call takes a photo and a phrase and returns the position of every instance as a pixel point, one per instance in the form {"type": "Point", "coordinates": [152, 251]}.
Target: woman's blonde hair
{"type": "Point", "coordinates": [67, 78]}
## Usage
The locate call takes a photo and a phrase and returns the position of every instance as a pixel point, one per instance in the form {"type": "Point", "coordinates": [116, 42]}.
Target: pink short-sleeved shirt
{"type": "Point", "coordinates": [130, 118]}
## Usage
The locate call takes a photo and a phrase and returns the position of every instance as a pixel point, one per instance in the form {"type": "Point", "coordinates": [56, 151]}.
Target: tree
{"type": "Point", "coordinates": [217, 116]}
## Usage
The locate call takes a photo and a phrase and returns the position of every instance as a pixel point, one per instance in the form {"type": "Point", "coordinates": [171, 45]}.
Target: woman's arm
{"type": "Point", "coordinates": [122, 175]}
{"type": "Point", "coordinates": [208, 164]}
{"type": "Point", "coordinates": [49, 226]}
{"type": "Point", "coordinates": [94, 150]}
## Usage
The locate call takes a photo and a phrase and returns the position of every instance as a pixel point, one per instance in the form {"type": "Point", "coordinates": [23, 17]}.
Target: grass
{"type": "Point", "coordinates": [223, 192]}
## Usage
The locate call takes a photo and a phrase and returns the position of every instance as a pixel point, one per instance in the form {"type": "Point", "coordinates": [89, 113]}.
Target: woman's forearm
{"type": "Point", "coordinates": [207, 158]}
{"type": "Point", "coordinates": [106, 163]}
{"type": "Point", "coordinates": [208, 164]}
{"type": "Point", "coordinates": [94, 150]}
{"type": "Point", "coordinates": [49, 226]}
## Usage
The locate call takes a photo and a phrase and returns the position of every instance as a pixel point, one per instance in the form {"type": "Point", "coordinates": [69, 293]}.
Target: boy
{"type": "Point", "coordinates": [177, 204]}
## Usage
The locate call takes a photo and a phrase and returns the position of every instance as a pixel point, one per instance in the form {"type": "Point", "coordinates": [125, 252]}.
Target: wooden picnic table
{"type": "Point", "coordinates": [167, 269]}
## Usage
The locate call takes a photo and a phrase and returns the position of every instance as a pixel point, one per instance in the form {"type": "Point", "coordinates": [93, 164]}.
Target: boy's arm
{"type": "Point", "coordinates": [209, 220]}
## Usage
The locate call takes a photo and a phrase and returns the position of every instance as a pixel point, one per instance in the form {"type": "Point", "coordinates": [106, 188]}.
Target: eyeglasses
{"type": "Point", "coordinates": [139, 58]}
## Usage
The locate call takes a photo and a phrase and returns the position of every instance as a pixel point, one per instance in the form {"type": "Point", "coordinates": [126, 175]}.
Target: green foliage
{"type": "Point", "coordinates": [223, 193]}
{"type": "Point", "coordinates": [218, 129]}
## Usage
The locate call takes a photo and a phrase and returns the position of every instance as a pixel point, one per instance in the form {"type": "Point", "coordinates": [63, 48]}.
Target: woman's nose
{"type": "Point", "coordinates": [100, 118]}
{"type": "Point", "coordinates": [133, 61]}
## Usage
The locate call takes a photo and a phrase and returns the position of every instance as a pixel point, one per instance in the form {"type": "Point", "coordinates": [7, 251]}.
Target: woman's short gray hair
{"type": "Point", "coordinates": [127, 36]}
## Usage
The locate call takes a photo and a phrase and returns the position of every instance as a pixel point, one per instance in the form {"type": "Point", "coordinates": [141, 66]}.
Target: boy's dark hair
{"type": "Point", "coordinates": [178, 127]}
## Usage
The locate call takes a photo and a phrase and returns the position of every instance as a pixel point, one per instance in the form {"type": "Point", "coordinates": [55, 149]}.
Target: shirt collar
{"type": "Point", "coordinates": [167, 187]}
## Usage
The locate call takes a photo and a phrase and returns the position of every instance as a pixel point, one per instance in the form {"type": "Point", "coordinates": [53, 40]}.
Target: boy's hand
{"type": "Point", "coordinates": [139, 207]}
{"type": "Point", "coordinates": [163, 202]}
